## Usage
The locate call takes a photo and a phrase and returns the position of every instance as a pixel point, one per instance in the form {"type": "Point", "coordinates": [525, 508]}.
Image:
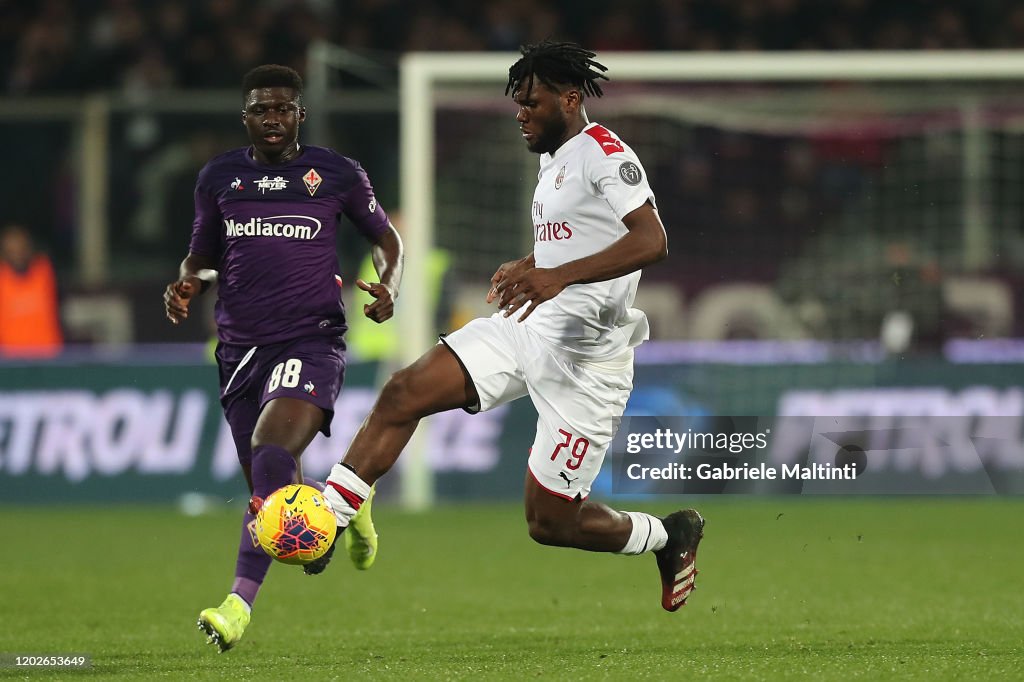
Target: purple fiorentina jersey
{"type": "Point", "coordinates": [272, 231]}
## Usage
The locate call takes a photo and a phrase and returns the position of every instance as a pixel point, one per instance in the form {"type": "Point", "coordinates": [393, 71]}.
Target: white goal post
{"type": "Point", "coordinates": [421, 73]}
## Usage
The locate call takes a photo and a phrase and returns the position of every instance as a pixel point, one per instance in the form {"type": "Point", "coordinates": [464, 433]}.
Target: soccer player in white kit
{"type": "Point", "coordinates": [564, 333]}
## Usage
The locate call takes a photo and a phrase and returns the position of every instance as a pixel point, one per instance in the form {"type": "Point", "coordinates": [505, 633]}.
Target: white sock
{"type": "Point", "coordinates": [648, 534]}
{"type": "Point", "coordinates": [345, 492]}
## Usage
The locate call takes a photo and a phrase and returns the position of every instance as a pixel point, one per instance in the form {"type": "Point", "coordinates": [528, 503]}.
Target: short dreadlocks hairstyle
{"type": "Point", "coordinates": [555, 64]}
{"type": "Point", "coordinates": [272, 76]}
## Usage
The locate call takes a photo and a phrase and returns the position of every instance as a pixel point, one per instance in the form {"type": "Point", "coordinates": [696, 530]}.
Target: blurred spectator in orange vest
{"type": "Point", "coordinates": [29, 319]}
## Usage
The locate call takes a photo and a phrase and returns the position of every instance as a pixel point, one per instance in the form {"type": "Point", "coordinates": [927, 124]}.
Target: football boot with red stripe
{"type": "Point", "coordinates": [677, 559]}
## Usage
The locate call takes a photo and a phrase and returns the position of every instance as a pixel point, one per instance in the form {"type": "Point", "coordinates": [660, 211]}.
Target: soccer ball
{"type": "Point", "coordinates": [295, 525]}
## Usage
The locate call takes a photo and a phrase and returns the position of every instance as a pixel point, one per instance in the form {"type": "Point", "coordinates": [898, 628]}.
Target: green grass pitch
{"type": "Point", "coordinates": [808, 588]}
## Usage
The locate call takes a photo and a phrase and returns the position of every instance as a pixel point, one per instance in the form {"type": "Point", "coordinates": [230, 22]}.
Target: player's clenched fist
{"type": "Point", "coordinates": [383, 307]}
{"type": "Point", "coordinates": [177, 296]}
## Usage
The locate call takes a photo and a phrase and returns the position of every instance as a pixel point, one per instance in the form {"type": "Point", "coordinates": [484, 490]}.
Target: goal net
{"type": "Point", "coordinates": [809, 198]}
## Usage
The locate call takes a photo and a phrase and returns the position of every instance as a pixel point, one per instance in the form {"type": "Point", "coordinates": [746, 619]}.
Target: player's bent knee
{"type": "Point", "coordinates": [394, 400]}
{"type": "Point", "coordinates": [398, 399]}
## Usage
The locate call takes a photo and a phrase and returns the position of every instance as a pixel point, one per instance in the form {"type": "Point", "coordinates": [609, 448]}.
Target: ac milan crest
{"type": "Point", "coordinates": [560, 177]}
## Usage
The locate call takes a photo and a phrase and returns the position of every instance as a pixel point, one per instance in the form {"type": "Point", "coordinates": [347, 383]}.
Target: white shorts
{"type": "Point", "coordinates": [579, 404]}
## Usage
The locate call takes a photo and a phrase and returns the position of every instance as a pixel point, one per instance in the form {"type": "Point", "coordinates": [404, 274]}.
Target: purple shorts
{"type": "Point", "coordinates": [309, 368]}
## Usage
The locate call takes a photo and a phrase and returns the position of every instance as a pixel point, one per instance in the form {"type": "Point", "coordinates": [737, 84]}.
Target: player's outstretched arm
{"type": "Point", "coordinates": [388, 257]}
{"type": "Point", "coordinates": [644, 243]}
{"type": "Point", "coordinates": [195, 275]}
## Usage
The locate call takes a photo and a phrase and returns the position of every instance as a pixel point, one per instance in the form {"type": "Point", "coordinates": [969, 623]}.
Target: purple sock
{"type": "Point", "coordinates": [313, 482]}
{"type": "Point", "coordinates": [252, 565]}
{"type": "Point", "coordinates": [272, 467]}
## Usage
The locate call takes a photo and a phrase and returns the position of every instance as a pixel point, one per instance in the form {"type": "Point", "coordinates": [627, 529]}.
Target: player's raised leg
{"type": "Point", "coordinates": [434, 383]}
{"type": "Point", "coordinates": [474, 368]}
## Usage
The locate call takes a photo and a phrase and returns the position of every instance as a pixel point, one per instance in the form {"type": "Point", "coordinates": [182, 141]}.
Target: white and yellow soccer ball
{"type": "Point", "coordinates": [295, 525]}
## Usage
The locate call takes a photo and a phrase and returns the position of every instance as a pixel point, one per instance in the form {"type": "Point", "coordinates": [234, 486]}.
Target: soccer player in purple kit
{"type": "Point", "coordinates": [266, 217]}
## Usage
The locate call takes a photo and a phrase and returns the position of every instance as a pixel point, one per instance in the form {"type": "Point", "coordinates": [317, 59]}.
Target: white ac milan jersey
{"type": "Point", "coordinates": [583, 191]}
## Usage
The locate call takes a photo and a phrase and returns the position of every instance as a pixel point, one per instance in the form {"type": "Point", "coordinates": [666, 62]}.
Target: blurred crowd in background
{"type": "Point", "coordinates": [76, 45]}
{"type": "Point", "coordinates": [836, 230]}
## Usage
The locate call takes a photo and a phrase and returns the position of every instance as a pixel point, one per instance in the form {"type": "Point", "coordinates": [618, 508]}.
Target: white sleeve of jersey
{"type": "Point", "coordinates": [620, 179]}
